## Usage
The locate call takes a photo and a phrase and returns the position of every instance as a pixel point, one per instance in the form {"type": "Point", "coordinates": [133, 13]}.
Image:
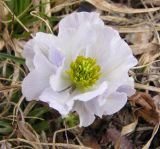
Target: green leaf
{"type": "Point", "coordinates": [5, 128]}
{"type": "Point", "coordinates": [41, 126]}
{"type": "Point", "coordinates": [38, 112]}
{"type": "Point", "coordinates": [13, 58]}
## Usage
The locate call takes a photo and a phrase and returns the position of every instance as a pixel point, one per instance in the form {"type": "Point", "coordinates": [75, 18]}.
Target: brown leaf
{"type": "Point", "coordinates": [114, 136]}
{"type": "Point", "coordinates": [146, 107]}
{"type": "Point", "coordinates": [91, 142]}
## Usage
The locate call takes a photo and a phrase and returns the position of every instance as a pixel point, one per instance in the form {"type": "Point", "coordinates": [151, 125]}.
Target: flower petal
{"type": "Point", "coordinates": [114, 103]}
{"type": "Point", "coordinates": [38, 79]}
{"type": "Point", "coordinates": [75, 20]}
{"type": "Point", "coordinates": [29, 54]}
{"type": "Point", "coordinates": [60, 81]}
{"type": "Point", "coordinates": [33, 84]}
{"type": "Point", "coordinates": [87, 96]}
{"type": "Point", "coordinates": [56, 57]}
{"type": "Point", "coordinates": [42, 42]}
{"type": "Point", "coordinates": [80, 40]}
{"type": "Point", "coordinates": [86, 117]}
{"type": "Point", "coordinates": [45, 41]}
{"type": "Point", "coordinates": [91, 94]}
{"type": "Point", "coordinates": [127, 87]}
{"type": "Point", "coordinates": [56, 100]}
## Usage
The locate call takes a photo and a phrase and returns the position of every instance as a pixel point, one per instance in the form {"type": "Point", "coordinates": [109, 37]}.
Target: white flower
{"type": "Point", "coordinates": [83, 69]}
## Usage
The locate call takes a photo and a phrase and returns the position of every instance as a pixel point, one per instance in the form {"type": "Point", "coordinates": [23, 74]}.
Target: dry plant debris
{"type": "Point", "coordinates": [32, 124]}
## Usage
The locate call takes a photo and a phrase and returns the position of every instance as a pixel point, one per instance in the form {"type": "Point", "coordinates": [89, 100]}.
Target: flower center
{"type": "Point", "coordinates": [84, 72]}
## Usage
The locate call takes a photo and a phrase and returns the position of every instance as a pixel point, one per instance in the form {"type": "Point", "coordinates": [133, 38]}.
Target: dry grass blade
{"type": "Point", "coordinates": [25, 130]}
{"type": "Point", "coordinates": [147, 87]}
{"type": "Point", "coordinates": [60, 131]}
{"type": "Point", "coordinates": [6, 88]}
{"type": "Point", "coordinates": [146, 146]}
{"type": "Point", "coordinates": [103, 5]}
{"type": "Point", "coordinates": [114, 19]}
{"type": "Point", "coordinates": [69, 146]}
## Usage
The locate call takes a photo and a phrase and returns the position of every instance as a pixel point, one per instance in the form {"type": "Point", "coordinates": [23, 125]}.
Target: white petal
{"type": "Point", "coordinates": [75, 20]}
{"type": "Point", "coordinates": [42, 64]}
{"type": "Point", "coordinates": [121, 62]}
{"type": "Point", "coordinates": [92, 94]}
{"type": "Point", "coordinates": [86, 117]}
{"type": "Point", "coordinates": [56, 57]}
{"type": "Point", "coordinates": [41, 42]}
{"type": "Point", "coordinates": [29, 53]}
{"type": "Point", "coordinates": [94, 106]}
{"type": "Point", "coordinates": [38, 79]}
{"type": "Point", "coordinates": [56, 100]}
{"type": "Point", "coordinates": [45, 41]}
{"type": "Point", "coordinates": [33, 84]}
{"type": "Point", "coordinates": [78, 95]}
{"type": "Point", "coordinates": [127, 87]}
{"type": "Point", "coordinates": [60, 81]}
{"type": "Point", "coordinates": [114, 103]}
{"type": "Point", "coordinates": [78, 42]}
{"type": "Point", "coordinates": [102, 49]}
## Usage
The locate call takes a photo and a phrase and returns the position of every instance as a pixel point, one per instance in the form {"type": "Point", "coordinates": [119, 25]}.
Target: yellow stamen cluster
{"type": "Point", "coordinates": [84, 72]}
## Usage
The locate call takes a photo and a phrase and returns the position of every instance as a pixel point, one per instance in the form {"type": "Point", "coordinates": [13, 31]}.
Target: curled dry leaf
{"type": "Point", "coordinates": [148, 57]}
{"type": "Point", "coordinates": [104, 5]}
{"type": "Point", "coordinates": [142, 41]}
{"type": "Point", "coordinates": [146, 107]}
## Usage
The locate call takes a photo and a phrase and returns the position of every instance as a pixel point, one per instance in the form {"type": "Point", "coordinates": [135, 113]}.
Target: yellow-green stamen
{"type": "Point", "coordinates": [84, 72]}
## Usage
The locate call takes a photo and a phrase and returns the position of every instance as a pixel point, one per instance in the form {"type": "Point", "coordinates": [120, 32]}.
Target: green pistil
{"type": "Point", "coordinates": [84, 72]}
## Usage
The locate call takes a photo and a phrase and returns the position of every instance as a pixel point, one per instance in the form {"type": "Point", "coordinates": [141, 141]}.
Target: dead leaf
{"type": "Point", "coordinates": [91, 142]}
{"type": "Point", "coordinates": [129, 128]}
{"type": "Point", "coordinates": [143, 48]}
{"type": "Point", "coordinates": [146, 107]}
{"type": "Point", "coordinates": [142, 41]}
{"type": "Point", "coordinates": [140, 37]}
{"type": "Point", "coordinates": [114, 136]}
